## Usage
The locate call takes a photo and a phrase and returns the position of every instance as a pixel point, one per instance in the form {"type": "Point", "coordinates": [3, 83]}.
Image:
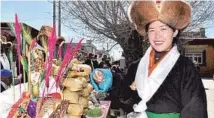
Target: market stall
{"type": "Point", "coordinates": [57, 87]}
{"type": "Point", "coordinates": [7, 100]}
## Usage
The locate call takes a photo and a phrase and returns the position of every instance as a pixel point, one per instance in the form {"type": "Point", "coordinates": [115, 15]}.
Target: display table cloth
{"type": "Point", "coordinates": [105, 107]}
{"type": "Point", "coordinates": [7, 99]}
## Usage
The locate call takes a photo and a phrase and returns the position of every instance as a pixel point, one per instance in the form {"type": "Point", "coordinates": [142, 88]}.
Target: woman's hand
{"type": "Point", "coordinates": [133, 86]}
{"type": "Point", "coordinates": [98, 76]}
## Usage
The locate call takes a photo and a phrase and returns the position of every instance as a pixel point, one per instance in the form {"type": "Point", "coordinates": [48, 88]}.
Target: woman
{"type": "Point", "coordinates": [168, 84]}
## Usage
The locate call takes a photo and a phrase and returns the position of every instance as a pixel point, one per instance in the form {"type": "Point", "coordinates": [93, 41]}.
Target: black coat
{"type": "Point", "coordinates": [182, 91]}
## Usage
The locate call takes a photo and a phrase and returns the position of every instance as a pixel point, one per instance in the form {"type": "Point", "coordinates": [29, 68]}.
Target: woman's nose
{"type": "Point", "coordinates": [157, 34]}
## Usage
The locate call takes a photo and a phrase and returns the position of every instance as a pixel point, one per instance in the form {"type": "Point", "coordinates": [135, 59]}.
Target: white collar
{"type": "Point", "coordinates": [147, 86]}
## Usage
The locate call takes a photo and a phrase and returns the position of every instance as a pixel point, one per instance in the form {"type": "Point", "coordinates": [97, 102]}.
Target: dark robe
{"type": "Point", "coordinates": [181, 92]}
{"type": "Point", "coordinates": [96, 64]}
{"type": "Point", "coordinates": [90, 63]}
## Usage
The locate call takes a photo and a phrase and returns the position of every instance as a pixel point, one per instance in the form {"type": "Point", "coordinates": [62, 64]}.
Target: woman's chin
{"type": "Point", "coordinates": [159, 49]}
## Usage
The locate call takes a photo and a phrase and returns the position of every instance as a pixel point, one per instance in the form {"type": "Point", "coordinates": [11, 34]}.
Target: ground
{"type": "Point", "coordinates": [209, 85]}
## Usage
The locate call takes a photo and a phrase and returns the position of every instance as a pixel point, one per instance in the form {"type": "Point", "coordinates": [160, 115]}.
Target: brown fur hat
{"type": "Point", "coordinates": [42, 37]}
{"type": "Point", "coordinates": [176, 14]}
{"type": "Point", "coordinates": [45, 31]}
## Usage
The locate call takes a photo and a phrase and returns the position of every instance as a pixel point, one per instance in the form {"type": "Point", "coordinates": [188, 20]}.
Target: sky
{"type": "Point", "coordinates": [38, 13]}
{"type": "Point", "coordinates": [33, 13]}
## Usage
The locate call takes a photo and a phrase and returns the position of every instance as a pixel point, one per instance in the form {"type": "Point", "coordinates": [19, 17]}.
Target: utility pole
{"type": "Point", "coordinates": [59, 23]}
{"type": "Point", "coordinates": [107, 47]}
{"type": "Point", "coordinates": [54, 12]}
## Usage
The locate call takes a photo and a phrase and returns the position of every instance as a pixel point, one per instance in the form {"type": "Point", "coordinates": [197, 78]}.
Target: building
{"type": "Point", "coordinates": [89, 47]}
{"type": "Point", "coordinates": [201, 51]}
{"type": "Point", "coordinates": [86, 48]}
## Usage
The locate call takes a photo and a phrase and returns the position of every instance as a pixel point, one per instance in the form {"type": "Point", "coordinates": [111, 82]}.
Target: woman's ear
{"type": "Point", "coordinates": [175, 33]}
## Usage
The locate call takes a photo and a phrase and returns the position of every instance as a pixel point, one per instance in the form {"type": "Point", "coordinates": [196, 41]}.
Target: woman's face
{"type": "Point", "coordinates": [160, 36]}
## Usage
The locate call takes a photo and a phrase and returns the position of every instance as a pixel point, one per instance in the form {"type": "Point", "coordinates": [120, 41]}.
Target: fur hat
{"type": "Point", "coordinates": [176, 14]}
{"type": "Point", "coordinates": [45, 31]}
{"type": "Point", "coordinates": [42, 38]}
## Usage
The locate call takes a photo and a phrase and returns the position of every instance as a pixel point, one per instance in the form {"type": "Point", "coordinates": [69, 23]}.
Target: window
{"type": "Point", "coordinates": [198, 57]}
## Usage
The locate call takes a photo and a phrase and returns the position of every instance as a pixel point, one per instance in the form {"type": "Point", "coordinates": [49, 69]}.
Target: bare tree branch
{"type": "Point", "coordinates": [108, 20]}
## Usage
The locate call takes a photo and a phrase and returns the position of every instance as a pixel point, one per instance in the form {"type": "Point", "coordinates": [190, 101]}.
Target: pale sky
{"type": "Point", "coordinates": [38, 13]}
{"type": "Point", "coordinates": [33, 13]}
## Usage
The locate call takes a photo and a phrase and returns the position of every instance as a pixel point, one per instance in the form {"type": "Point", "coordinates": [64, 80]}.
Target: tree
{"type": "Point", "coordinates": [202, 14]}
{"type": "Point", "coordinates": [108, 19]}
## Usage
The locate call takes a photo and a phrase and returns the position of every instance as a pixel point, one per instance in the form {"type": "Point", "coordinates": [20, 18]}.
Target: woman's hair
{"type": "Point", "coordinates": [176, 40]}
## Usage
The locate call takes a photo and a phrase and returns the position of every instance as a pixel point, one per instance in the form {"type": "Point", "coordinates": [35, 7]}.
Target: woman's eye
{"type": "Point", "coordinates": [151, 30]}
{"type": "Point", "coordinates": [163, 29]}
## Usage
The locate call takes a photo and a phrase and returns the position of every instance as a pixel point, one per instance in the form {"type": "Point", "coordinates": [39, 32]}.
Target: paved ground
{"type": "Point", "coordinates": [209, 85]}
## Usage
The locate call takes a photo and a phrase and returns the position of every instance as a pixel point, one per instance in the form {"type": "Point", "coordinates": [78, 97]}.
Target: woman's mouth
{"type": "Point", "coordinates": [158, 42]}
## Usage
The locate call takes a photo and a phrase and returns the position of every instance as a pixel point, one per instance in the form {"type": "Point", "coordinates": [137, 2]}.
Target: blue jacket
{"type": "Point", "coordinates": [104, 86]}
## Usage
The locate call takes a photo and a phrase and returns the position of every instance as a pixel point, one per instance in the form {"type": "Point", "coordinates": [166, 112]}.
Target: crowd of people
{"type": "Point", "coordinates": [103, 61]}
{"type": "Point", "coordinates": [106, 63]}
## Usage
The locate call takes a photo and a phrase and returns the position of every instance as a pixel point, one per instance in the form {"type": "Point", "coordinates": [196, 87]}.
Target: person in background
{"type": "Point", "coordinates": [107, 63]}
{"type": "Point", "coordinates": [99, 58]}
{"type": "Point", "coordinates": [6, 79]}
{"type": "Point", "coordinates": [114, 69]}
{"type": "Point", "coordinates": [89, 61]}
{"type": "Point", "coordinates": [5, 46]}
{"type": "Point", "coordinates": [6, 73]}
{"type": "Point", "coordinates": [95, 62]}
{"type": "Point", "coordinates": [102, 63]}
{"type": "Point", "coordinates": [105, 56]}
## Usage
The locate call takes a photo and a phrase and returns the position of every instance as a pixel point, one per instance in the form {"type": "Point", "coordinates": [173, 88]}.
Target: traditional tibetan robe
{"type": "Point", "coordinates": [179, 93]}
